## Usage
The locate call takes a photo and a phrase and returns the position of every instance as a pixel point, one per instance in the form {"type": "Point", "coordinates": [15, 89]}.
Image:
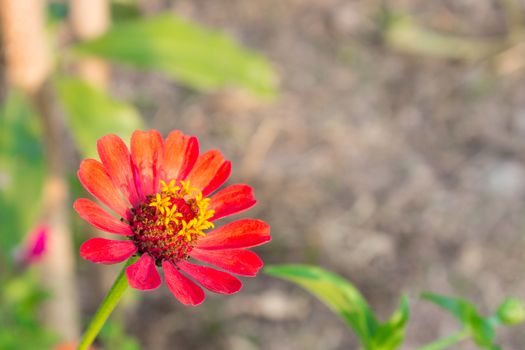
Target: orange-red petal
{"type": "Point", "coordinates": [116, 158]}
{"type": "Point", "coordinates": [143, 274]}
{"type": "Point", "coordinates": [107, 251]}
{"type": "Point", "coordinates": [231, 200]}
{"type": "Point", "coordinates": [147, 152]}
{"type": "Point", "coordinates": [213, 280]}
{"type": "Point", "coordinates": [238, 261]}
{"type": "Point", "coordinates": [101, 219]}
{"type": "Point", "coordinates": [184, 289]}
{"type": "Point", "coordinates": [210, 171]}
{"type": "Point", "coordinates": [96, 180]}
{"type": "Point", "coordinates": [180, 154]}
{"type": "Point", "coordinates": [244, 233]}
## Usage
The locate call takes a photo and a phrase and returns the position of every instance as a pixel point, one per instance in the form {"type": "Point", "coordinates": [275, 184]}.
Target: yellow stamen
{"type": "Point", "coordinates": [170, 218]}
{"type": "Point", "coordinates": [161, 203]}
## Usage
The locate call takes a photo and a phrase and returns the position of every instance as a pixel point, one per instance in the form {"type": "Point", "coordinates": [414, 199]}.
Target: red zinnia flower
{"type": "Point", "coordinates": [160, 192]}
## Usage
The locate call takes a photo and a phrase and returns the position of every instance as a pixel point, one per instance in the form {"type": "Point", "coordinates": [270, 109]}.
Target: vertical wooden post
{"type": "Point", "coordinates": [26, 53]}
{"type": "Point", "coordinates": [90, 19]}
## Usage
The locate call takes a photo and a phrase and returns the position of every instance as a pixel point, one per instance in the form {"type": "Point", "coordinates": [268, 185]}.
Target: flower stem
{"type": "Point", "coordinates": [110, 302]}
{"type": "Point", "coordinates": [446, 342]}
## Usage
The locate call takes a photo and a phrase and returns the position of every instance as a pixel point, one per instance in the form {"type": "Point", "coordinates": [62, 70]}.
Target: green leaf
{"type": "Point", "coordinates": [22, 170]}
{"type": "Point", "coordinates": [390, 335]}
{"type": "Point", "coordinates": [201, 58]}
{"type": "Point", "coordinates": [92, 113]}
{"type": "Point", "coordinates": [460, 308]}
{"type": "Point", "coordinates": [480, 328]}
{"type": "Point", "coordinates": [482, 331]}
{"type": "Point", "coordinates": [337, 293]}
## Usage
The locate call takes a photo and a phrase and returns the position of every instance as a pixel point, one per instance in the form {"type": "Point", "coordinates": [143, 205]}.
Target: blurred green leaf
{"type": "Point", "coordinates": [114, 337]}
{"type": "Point", "coordinates": [390, 335]}
{"type": "Point", "coordinates": [20, 301]}
{"type": "Point", "coordinates": [124, 11]}
{"type": "Point", "coordinates": [201, 58]}
{"type": "Point", "coordinates": [460, 308]}
{"type": "Point", "coordinates": [21, 170]}
{"type": "Point", "coordinates": [402, 33]}
{"type": "Point", "coordinates": [337, 293]}
{"type": "Point", "coordinates": [57, 11]}
{"type": "Point", "coordinates": [346, 300]}
{"type": "Point", "coordinates": [481, 329]}
{"type": "Point", "coordinates": [482, 332]}
{"type": "Point", "coordinates": [511, 312]}
{"type": "Point", "coordinates": [92, 113]}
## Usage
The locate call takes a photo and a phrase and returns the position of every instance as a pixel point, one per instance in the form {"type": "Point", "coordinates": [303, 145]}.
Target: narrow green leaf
{"type": "Point", "coordinates": [22, 170]}
{"type": "Point", "coordinates": [92, 113]}
{"type": "Point", "coordinates": [460, 308]}
{"type": "Point", "coordinates": [201, 58]}
{"type": "Point", "coordinates": [337, 293]}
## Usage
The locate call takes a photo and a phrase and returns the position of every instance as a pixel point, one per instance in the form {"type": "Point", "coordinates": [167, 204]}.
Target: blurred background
{"type": "Point", "coordinates": [385, 141]}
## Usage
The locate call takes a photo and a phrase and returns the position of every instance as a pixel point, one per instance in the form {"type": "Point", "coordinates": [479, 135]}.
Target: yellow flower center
{"type": "Point", "coordinates": [168, 223]}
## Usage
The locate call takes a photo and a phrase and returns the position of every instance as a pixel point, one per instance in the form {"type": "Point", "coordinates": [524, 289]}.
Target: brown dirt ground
{"type": "Point", "coordinates": [402, 173]}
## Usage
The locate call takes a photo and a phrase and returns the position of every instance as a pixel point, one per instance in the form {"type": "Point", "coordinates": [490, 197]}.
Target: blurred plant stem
{"type": "Point", "coordinates": [27, 66]}
{"type": "Point", "coordinates": [446, 342]}
{"type": "Point", "coordinates": [106, 308]}
{"type": "Point", "coordinates": [402, 32]}
{"type": "Point", "coordinates": [90, 19]}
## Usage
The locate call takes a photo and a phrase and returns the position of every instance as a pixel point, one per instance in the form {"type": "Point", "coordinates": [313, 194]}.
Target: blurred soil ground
{"type": "Point", "coordinates": [400, 172]}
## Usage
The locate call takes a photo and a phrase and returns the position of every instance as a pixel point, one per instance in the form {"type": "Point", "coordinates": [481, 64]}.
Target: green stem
{"type": "Point", "coordinates": [446, 342]}
{"type": "Point", "coordinates": [110, 302]}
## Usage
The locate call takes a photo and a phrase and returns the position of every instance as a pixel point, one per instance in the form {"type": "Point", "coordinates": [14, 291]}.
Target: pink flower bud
{"type": "Point", "coordinates": [34, 246]}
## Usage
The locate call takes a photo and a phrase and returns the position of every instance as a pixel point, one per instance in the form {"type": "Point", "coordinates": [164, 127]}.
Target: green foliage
{"type": "Point", "coordinates": [390, 335]}
{"type": "Point", "coordinates": [21, 170]}
{"type": "Point", "coordinates": [124, 10]}
{"type": "Point", "coordinates": [56, 11]}
{"type": "Point", "coordinates": [344, 299]}
{"type": "Point", "coordinates": [201, 58]}
{"type": "Point", "coordinates": [480, 329]}
{"type": "Point", "coordinates": [511, 312]}
{"type": "Point", "coordinates": [20, 299]}
{"type": "Point", "coordinates": [92, 113]}
{"type": "Point", "coordinates": [114, 337]}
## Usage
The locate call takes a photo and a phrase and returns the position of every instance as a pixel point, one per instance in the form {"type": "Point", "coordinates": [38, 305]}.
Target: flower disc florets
{"type": "Point", "coordinates": [168, 223]}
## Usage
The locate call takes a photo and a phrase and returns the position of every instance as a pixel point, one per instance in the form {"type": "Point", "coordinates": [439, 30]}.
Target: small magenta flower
{"type": "Point", "coordinates": [160, 192]}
